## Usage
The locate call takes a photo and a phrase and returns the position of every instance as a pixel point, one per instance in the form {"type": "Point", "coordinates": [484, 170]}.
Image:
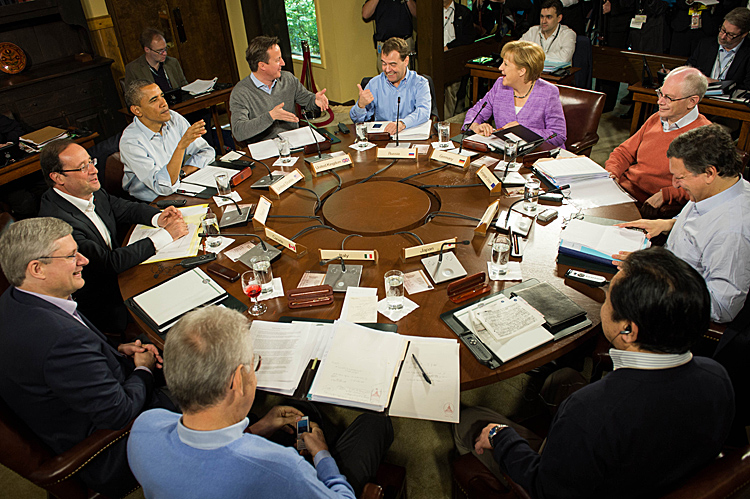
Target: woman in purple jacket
{"type": "Point", "coordinates": [521, 96]}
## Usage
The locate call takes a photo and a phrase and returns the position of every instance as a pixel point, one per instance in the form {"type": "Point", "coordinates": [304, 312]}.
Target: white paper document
{"type": "Point", "coordinates": [438, 400]}
{"type": "Point", "coordinates": [263, 150]}
{"type": "Point", "coordinates": [205, 176]}
{"type": "Point", "coordinates": [200, 86]}
{"type": "Point", "coordinates": [285, 350]}
{"type": "Point", "coordinates": [416, 132]}
{"type": "Point", "coordinates": [359, 368]}
{"type": "Point", "coordinates": [301, 137]}
{"type": "Point", "coordinates": [568, 170]}
{"type": "Point", "coordinates": [184, 247]}
{"type": "Point", "coordinates": [601, 240]}
{"type": "Point", "coordinates": [360, 305]}
{"type": "Point", "coordinates": [599, 192]}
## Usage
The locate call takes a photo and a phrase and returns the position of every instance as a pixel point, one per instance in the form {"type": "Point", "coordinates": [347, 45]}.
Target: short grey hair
{"type": "Point", "coordinates": [694, 82]}
{"type": "Point", "coordinates": [28, 240]}
{"type": "Point", "coordinates": [133, 94]}
{"type": "Point", "coordinates": [201, 352]}
{"type": "Point", "coordinates": [739, 17]}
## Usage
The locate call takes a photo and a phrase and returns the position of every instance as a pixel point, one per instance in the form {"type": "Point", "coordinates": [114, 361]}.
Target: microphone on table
{"type": "Point", "coordinates": [469, 127]}
{"type": "Point", "coordinates": [229, 218]}
{"type": "Point", "coordinates": [343, 267]}
{"type": "Point", "coordinates": [398, 109]}
{"type": "Point", "coordinates": [556, 189]}
{"type": "Point", "coordinates": [442, 247]}
{"type": "Point", "coordinates": [264, 181]}
{"type": "Point", "coordinates": [315, 139]}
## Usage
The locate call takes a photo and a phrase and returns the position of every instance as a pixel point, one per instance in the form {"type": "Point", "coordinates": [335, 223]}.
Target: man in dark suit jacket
{"type": "Point", "coordinates": [57, 371]}
{"type": "Point", "coordinates": [463, 27]}
{"type": "Point", "coordinates": [726, 57]}
{"type": "Point", "coordinates": [76, 197]}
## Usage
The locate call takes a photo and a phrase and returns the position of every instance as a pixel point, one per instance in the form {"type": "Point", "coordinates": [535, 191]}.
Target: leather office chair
{"type": "Point", "coordinates": [582, 109]}
{"type": "Point", "coordinates": [727, 476]}
{"type": "Point", "coordinates": [25, 454]}
{"type": "Point", "coordinates": [433, 111]}
{"type": "Point", "coordinates": [113, 173]}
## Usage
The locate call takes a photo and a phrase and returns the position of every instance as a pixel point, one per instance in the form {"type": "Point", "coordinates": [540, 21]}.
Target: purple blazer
{"type": "Point", "coordinates": [541, 114]}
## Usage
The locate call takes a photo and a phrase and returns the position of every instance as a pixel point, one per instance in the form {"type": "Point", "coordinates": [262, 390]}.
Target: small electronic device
{"type": "Point", "coordinates": [343, 128]}
{"type": "Point", "coordinates": [222, 271]}
{"type": "Point", "coordinates": [553, 197]}
{"type": "Point", "coordinates": [547, 215]}
{"type": "Point", "coordinates": [189, 263]}
{"type": "Point", "coordinates": [560, 72]}
{"type": "Point", "coordinates": [170, 202]}
{"type": "Point", "coordinates": [593, 280]}
{"type": "Point", "coordinates": [303, 426]}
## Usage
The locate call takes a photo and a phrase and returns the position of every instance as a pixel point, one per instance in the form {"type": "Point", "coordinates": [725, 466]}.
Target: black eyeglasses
{"type": "Point", "coordinates": [660, 95]}
{"type": "Point", "coordinates": [67, 257]}
{"type": "Point", "coordinates": [730, 36]}
{"type": "Point", "coordinates": [85, 168]}
{"type": "Point", "coordinates": [256, 362]}
{"type": "Point", "coordinates": [159, 51]}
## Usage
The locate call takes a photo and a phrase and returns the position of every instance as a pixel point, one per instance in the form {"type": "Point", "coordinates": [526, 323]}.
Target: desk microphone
{"type": "Point", "coordinates": [343, 267]}
{"type": "Point", "coordinates": [228, 218]}
{"type": "Point", "coordinates": [264, 181]}
{"type": "Point", "coordinates": [442, 247]}
{"type": "Point", "coordinates": [556, 189]}
{"type": "Point", "coordinates": [398, 110]}
{"type": "Point", "coordinates": [315, 139]}
{"type": "Point", "coordinates": [469, 128]}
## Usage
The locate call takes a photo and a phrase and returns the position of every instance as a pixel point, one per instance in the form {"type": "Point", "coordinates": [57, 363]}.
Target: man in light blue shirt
{"type": "Point", "coordinates": [712, 232]}
{"type": "Point", "coordinates": [380, 98]}
{"type": "Point", "coordinates": [159, 144]}
{"type": "Point", "coordinates": [212, 450]}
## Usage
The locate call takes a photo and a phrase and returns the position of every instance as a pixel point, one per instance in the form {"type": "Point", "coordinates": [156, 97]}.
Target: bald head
{"type": "Point", "coordinates": [690, 80]}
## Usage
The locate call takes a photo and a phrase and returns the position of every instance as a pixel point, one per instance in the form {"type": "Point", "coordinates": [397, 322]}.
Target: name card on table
{"type": "Point", "coordinates": [450, 157]}
{"type": "Point", "coordinates": [396, 153]}
{"type": "Point", "coordinates": [369, 255]}
{"type": "Point", "coordinates": [295, 248]}
{"type": "Point", "coordinates": [490, 181]}
{"type": "Point", "coordinates": [285, 183]}
{"type": "Point", "coordinates": [261, 212]}
{"type": "Point", "coordinates": [426, 249]}
{"type": "Point", "coordinates": [486, 219]}
{"type": "Point", "coordinates": [337, 161]}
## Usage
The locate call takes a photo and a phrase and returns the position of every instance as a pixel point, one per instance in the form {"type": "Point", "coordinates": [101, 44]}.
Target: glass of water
{"type": "Point", "coordinates": [500, 255]}
{"type": "Point", "coordinates": [530, 189]}
{"type": "Point", "coordinates": [284, 152]}
{"type": "Point", "coordinates": [361, 133]}
{"type": "Point", "coordinates": [222, 184]}
{"type": "Point", "coordinates": [263, 273]}
{"type": "Point", "coordinates": [394, 289]}
{"type": "Point", "coordinates": [210, 227]}
{"type": "Point", "coordinates": [510, 153]}
{"type": "Point", "coordinates": [444, 132]}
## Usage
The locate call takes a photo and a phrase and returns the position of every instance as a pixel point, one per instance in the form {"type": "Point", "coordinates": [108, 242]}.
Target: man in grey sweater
{"type": "Point", "coordinates": [262, 104]}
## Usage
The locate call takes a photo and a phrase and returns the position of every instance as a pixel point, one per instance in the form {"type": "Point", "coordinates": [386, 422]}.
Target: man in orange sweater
{"type": "Point", "coordinates": [640, 163]}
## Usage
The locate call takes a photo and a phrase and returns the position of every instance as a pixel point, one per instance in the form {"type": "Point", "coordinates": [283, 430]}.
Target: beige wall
{"type": "Point", "coordinates": [346, 41]}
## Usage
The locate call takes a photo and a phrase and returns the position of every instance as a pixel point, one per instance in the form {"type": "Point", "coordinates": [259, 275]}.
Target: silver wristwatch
{"type": "Point", "coordinates": [494, 431]}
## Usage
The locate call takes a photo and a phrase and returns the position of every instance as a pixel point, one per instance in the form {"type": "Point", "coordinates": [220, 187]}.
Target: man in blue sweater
{"type": "Point", "coordinates": [657, 418]}
{"type": "Point", "coordinates": [211, 450]}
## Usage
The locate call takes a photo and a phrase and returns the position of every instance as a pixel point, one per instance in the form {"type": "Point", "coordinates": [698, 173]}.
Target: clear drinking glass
{"type": "Point", "coordinates": [252, 288]}
{"type": "Point", "coordinates": [222, 184]}
{"type": "Point", "coordinates": [510, 153]}
{"type": "Point", "coordinates": [499, 256]}
{"type": "Point", "coordinates": [262, 268]}
{"type": "Point", "coordinates": [361, 131]}
{"type": "Point", "coordinates": [444, 132]}
{"type": "Point", "coordinates": [284, 152]}
{"type": "Point", "coordinates": [394, 289]}
{"type": "Point", "coordinates": [531, 188]}
{"type": "Point", "coordinates": [210, 227]}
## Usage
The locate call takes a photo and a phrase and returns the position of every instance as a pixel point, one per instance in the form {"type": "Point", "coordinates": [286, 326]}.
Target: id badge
{"type": "Point", "coordinates": [695, 20]}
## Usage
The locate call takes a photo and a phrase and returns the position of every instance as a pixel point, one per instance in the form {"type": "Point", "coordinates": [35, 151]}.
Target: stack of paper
{"type": "Point", "coordinates": [360, 367]}
{"type": "Point", "coordinates": [550, 66]}
{"type": "Point", "coordinates": [200, 86]}
{"type": "Point", "coordinates": [40, 138]}
{"type": "Point", "coordinates": [562, 171]}
{"type": "Point", "coordinates": [205, 176]}
{"type": "Point", "coordinates": [597, 243]}
{"type": "Point", "coordinates": [301, 137]}
{"type": "Point", "coordinates": [184, 247]}
{"type": "Point", "coordinates": [416, 132]}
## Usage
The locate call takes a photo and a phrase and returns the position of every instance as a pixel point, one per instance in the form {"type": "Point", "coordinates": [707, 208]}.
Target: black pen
{"type": "Point", "coordinates": [424, 374]}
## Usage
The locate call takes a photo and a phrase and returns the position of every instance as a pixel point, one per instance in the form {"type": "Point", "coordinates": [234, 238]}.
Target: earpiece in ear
{"type": "Point", "coordinates": [626, 330]}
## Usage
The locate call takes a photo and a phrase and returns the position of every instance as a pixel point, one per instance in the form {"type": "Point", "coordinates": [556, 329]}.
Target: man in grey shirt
{"type": "Point", "coordinates": [262, 104]}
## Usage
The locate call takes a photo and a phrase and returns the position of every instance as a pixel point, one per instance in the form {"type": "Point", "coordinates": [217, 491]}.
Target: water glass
{"type": "Point", "coordinates": [251, 287]}
{"type": "Point", "coordinates": [262, 269]}
{"type": "Point", "coordinates": [361, 132]}
{"type": "Point", "coordinates": [499, 256]}
{"type": "Point", "coordinates": [531, 188]}
{"type": "Point", "coordinates": [444, 132]}
{"type": "Point", "coordinates": [510, 152]}
{"type": "Point", "coordinates": [284, 152]}
{"type": "Point", "coordinates": [210, 227]}
{"type": "Point", "coordinates": [394, 289]}
{"type": "Point", "coordinates": [222, 184]}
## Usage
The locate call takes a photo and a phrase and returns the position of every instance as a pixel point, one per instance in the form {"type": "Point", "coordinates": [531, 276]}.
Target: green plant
{"type": "Point", "coordinates": [303, 25]}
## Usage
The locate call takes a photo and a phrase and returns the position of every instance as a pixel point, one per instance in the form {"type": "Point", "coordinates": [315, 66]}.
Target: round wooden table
{"type": "Point", "coordinates": [376, 210]}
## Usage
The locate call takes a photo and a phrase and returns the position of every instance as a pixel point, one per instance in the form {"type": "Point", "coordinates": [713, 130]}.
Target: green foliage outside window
{"type": "Point", "coordinates": [303, 25]}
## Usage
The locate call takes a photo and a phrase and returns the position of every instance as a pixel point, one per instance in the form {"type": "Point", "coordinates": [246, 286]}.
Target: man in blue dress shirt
{"type": "Point", "coordinates": [712, 232]}
{"type": "Point", "coordinates": [159, 144]}
{"type": "Point", "coordinates": [379, 99]}
{"type": "Point", "coordinates": [212, 450]}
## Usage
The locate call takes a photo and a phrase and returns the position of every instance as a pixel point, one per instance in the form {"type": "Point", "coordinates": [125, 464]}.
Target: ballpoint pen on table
{"type": "Point", "coordinates": [424, 374]}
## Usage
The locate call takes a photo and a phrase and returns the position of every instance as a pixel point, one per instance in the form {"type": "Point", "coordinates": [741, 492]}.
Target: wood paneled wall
{"type": "Point", "coordinates": [105, 43]}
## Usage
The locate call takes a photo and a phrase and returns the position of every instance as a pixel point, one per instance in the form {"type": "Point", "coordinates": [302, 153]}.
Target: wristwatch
{"type": "Point", "coordinates": [493, 433]}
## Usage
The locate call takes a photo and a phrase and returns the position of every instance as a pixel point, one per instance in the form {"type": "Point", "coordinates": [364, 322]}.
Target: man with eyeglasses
{"type": "Point", "coordinates": [76, 196]}
{"type": "Point", "coordinates": [155, 65]}
{"type": "Point", "coordinates": [712, 232]}
{"type": "Point", "coordinates": [58, 373]}
{"type": "Point", "coordinates": [726, 57]}
{"type": "Point", "coordinates": [640, 163]}
{"type": "Point", "coordinates": [213, 449]}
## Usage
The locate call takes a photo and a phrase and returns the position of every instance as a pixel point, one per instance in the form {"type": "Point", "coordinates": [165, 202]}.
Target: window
{"type": "Point", "coordinates": [303, 25]}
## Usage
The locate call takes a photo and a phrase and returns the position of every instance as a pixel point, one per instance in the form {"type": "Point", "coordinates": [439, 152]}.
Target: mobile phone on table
{"type": "Point", "coordinates": [303, 425]}
{"type": "Point", "coordinates": [222, 271]}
